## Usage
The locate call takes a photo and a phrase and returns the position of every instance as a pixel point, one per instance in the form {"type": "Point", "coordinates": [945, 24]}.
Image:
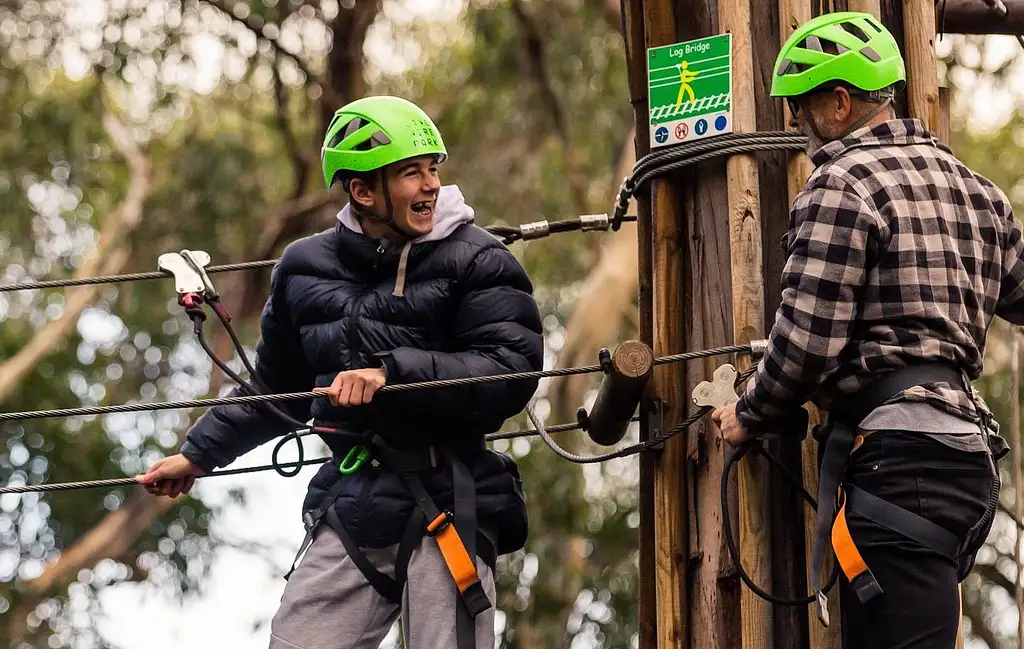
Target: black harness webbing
{"type": "Point", "coordinates": [834, 491]}
{"type": "Point", "coordinates": [456, 532]}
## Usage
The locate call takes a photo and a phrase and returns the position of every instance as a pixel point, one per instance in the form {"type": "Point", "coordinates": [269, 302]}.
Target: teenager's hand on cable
{"type": "Point", "coordinates": [170, 476]}
{"type": "Point", "coordinates": [355, 387]}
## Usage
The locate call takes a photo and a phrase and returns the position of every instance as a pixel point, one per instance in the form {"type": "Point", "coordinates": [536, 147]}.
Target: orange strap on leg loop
{"type": "Point", "coordinates": [852, 563]}
{"type": "Point", "coordinates": [455, 555]}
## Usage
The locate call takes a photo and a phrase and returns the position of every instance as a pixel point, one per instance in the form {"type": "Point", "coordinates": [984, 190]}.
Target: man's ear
{"type": "Point", "coordinates": [844, 104]}
{"type": "Point", "coordinates": [361, 192]}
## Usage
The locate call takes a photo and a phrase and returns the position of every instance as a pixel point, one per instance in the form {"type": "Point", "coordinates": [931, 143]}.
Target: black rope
{"type": "Point", "coordinates": [507, 234]}
{"type": "Point", "coordinates": [117, 482]}
{"type": "Point", "coordinates": [297, 464]}
{"type": "Point", "coordinates": [686, 154]}
{"type": "Point", "coordinates": [731, 462]}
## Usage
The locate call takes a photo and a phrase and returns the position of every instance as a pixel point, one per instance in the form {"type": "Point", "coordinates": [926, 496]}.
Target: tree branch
{"type": "Point", "coordinates": [281, 224]}
{"type": "Point", "coordinates": [612, 10]}
{"type": "Point", "coordinates": [255, 24]}
{"type": "Point", "coordinates": [534, 45]}
{"type": "Point", "coordinates": [300, 160]}
{"type": "Point", "coordinates": [115, 535]}
{"type": "Point", "coordinates": [107, 258]}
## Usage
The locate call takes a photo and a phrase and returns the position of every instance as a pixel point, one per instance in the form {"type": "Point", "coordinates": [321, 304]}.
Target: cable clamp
{"type": "Point", "coordinates": [535, 230]}
{"type": "Point", "coordinates": [589, 222]}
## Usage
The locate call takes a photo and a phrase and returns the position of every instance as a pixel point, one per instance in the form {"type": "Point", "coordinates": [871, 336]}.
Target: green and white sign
{"type": "Point", "coordinates": [690, 89]}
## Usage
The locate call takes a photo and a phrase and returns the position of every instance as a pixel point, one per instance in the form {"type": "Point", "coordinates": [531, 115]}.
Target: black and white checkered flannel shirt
{"type": "Point", "coordinates": [897, 253]}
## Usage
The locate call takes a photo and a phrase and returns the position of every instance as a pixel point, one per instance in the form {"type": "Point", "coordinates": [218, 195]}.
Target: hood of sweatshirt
{"type": "Point", "coordinates": [450, 212]}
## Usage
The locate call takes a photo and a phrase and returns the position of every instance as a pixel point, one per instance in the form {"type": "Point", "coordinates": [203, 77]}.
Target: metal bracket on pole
{"type": "Point", "coordinates": [654, 413]}
{"type": "Point", "coordinates": [719, 392]}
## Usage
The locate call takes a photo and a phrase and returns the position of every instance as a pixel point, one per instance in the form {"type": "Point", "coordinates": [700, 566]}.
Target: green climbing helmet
{"type": "Point", "coordinates": [373, 132]}
{"type": "Point", "coordinates": [866, 55]}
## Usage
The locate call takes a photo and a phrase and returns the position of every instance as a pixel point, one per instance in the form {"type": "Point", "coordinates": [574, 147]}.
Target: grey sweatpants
{"type": "Point", "coordinates": [329, 604]}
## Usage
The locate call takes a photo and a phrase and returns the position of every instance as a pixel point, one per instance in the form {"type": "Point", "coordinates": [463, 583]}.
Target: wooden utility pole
{"type": "Point", "coordinates": [709, 269]}
{"type": "Point", "coordinates": [1016, 364]}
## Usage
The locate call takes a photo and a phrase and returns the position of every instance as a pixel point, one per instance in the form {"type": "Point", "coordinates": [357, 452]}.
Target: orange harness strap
{"type": "Point", "coordinates": [849, 557]}
{"type": "Point", "coordinates": [454, 551]}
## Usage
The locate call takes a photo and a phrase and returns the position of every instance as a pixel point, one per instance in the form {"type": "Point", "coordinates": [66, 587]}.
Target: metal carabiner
{"type": "Point", "coordinates": [348, 464]}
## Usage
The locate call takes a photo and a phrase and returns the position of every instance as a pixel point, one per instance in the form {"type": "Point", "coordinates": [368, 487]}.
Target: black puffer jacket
{"type": "Point", "coordinates": [464, 308]}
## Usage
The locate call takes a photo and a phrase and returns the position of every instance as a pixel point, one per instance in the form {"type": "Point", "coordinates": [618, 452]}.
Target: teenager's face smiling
{"type": "Point", "coordinates": [413, 185]}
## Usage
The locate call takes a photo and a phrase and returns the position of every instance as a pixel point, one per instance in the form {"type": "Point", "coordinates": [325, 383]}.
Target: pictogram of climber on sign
{"type": "Point", "coordinates": [686, 76]}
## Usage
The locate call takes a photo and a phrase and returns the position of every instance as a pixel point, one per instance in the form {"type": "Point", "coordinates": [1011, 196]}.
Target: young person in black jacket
{"type": "Point", "coordinates": [403, 289]}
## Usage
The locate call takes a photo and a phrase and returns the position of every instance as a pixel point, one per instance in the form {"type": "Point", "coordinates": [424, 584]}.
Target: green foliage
{"type": "Point", "coordinates": [222, 161]}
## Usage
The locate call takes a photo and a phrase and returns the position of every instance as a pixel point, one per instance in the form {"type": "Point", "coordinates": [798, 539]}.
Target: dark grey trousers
{"type": "Point", "coordinates": [329, 604]}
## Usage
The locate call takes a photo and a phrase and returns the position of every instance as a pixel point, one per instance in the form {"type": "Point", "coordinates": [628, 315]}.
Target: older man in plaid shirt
{"type": "Point", "coordinates": [899, 256]}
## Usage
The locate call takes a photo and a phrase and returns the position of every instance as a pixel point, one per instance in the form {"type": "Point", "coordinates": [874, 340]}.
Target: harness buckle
{"type": "Point", "coordinates": [440, 524]}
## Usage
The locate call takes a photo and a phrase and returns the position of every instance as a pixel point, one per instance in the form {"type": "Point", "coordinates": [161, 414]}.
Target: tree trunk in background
{"type": "Point", "coordinates": [114, 536]}
{"type": "Point", "coordinates": [605, 298]}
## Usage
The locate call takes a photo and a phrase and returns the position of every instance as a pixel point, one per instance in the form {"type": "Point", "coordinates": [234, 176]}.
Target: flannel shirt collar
{"type": "Point", "coordinates": [898, 132]}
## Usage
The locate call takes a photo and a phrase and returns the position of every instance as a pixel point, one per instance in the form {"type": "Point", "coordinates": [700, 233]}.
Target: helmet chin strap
{"type": "Point", "coordinates": [389, 216]}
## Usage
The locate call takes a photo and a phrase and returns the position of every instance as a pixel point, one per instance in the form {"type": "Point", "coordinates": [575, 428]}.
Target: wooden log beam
{"type": "Point", "coordinates": [627, 370]}
{"type": "Point", "coordinates": [746, 262]}
{"type": "Point", "coordinates": [919, 52]}
{"type": "Point", "coordinates": [712, 581]}
{"type": "Point", "coordinates": [873, 7]}
{"type": "Point", "coordinates": [635, 38]}
{"type": "Point", "coordinates": [670, 469]}
{"type": "Point", "coordinates": [975, 17]}
{"type": "Point", "coordinates": [788, 560]}
{"type": "Point", "coordinates": [792, 14]}
{"type": "Point", "coordinates": [1018, 476]}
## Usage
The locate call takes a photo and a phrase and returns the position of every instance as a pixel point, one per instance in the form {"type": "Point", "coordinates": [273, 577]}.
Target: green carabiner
{"type": "Point", "coordinates": [348, 464]}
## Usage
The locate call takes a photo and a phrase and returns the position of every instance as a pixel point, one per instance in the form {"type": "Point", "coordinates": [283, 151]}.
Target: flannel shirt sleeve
{"type": "Point", "coordinates": [832, 238]}
{"type": "Point", "coordinates": [1011, 290]}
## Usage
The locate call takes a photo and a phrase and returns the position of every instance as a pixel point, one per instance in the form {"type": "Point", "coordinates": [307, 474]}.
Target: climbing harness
{"type": "Point", "coordinates": [837, 497]}
{"type": "Point", "coordinates": [458, 541]}
{"type": "Point", "coordinates": [454, 531]}
{"type": "Point", "coordinates": [840, 439]}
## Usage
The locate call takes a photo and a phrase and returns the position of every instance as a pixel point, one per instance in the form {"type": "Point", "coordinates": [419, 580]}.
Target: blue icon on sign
{"type": "Point", "coordinates": [701, 127]}
{"type": "Point", "coordinates": [661, 134]}
{"type": "Point", "coordinates": [720, 122]}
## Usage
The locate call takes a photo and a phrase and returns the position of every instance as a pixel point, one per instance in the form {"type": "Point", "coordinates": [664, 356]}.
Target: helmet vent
{"type": "Point", "coordinates": [794, 68]}
{"type": "Point", "coordinates": [856, 31]}
{"type": "Point", "coordinates": [819, 44]}
{"type": "Point", "coordinates": [375, 140]}
{"type": "Point", "coordinates": [871, 54]}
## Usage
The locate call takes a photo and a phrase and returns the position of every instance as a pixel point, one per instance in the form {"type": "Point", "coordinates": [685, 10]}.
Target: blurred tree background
{"type": "Point", "coordinates": [129, 128]}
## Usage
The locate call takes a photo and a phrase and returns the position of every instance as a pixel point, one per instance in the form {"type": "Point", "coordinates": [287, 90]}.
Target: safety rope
{"type": "Point", "coordinates": [508, 235]}
{"type": "Point", "coordinates": [654, 443]}
{"type": "Point", "coordinates": [398, 387]}
{"type": "Point", "coordinates": [298, 464]}
{"type": "Point", "coordinates": [687, 154]}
